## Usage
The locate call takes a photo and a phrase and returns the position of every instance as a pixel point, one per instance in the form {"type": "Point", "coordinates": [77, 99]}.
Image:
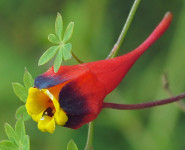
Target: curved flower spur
{"type": "Point", "coordinates": [74, 95]}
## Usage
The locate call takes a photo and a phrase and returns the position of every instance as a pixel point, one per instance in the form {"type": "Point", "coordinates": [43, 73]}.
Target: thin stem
{"type": "Point", "coordinates": [76, 58]}
{"type": "Point", "coordinates": [90, 137]}
{"type": "Point", "coordinates": [116, 47]}
{"type": "Point", "coordinates": [144, 105]}
{"type": "Point", "coordinates": [166, 87]}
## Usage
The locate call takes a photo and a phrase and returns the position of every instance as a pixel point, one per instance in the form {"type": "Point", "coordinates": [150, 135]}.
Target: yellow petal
{"type": "Point", "coordinates": [37, 101]}
{"type": "Point", "coordinates": [53, 99]}
{"type": "Point", "coordinates": [60, 117]}
{"type": "Point", "coordinates": [46, 124]}
{"type": "Point", "coordinates": [36, 117]}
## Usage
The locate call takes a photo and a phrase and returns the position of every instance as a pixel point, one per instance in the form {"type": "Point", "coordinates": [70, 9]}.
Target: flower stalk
{"type": "Point", "coordinates": [128, 22]}
{"type": "Point", "coordinates": [76, 58]}
{"type": "Point", "coordinates": [144, 105]}
{"type": "Point", "coordinates": [90, 137]}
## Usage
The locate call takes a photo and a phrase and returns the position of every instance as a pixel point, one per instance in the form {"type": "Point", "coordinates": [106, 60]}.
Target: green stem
{"type": "Point", "coordinates": [90, 137]}
{"type": "Point", "coordinates": [76, 58]}
{"type": "Point", "coordinates": [116, 47]}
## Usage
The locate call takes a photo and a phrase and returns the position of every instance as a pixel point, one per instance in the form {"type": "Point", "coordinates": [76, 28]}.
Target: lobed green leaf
{"type": "Point", "coordinates": [10, 133]}
{"type": "Point", "coordinates": [71, 145]}
{"type": "Point", "coordinates": [58, 60]}
{"type": "Point", "coordinates": [59, 26]}
{"type": "Point", "coordinates": [27, 79]}
{"type": "Point", "coordinates": [53, 39]}
{"type": "Point", "coordinates": [67, 51]}
{"type": "Point", "coordinates": [21, 112]}
{"type": "Point", "coordinates": [48, 55]}
{"type": "Point", "coordinates": [26, 143]}
{"type": "Point", "coordinates": [68, 32]}
{"type": "Point", "coordinates": [20, 130]}
{"type": "Point", "coordinates": [8, 145]}
{"type": "Point", "coordinates": [20, 91]}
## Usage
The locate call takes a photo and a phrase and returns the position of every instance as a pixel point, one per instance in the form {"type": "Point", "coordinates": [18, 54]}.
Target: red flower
{"type": "Point", "coordinates": [81, 89]}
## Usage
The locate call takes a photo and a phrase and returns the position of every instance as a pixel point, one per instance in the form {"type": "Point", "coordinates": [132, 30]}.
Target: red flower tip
{"type": "Point", "coordinates": [110, 72]}
{"type": "Point", "coordinates": [81, 89]}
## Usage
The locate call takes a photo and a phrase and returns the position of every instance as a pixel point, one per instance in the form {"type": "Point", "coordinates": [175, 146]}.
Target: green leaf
{"type": "Point", "coordinates": [59, 26]}
{"type": "Point", "coordinates": [27, 79]}
{"type": "Point", "coordinates": [20, 91]}
{"type": "Point", "coordinates": [68, 32]}
{"type": "Point", "coordinates": [67, 51]}
{"type": "Point", "coordinates": [26, 143]}
{"type": "Point", "coordinates": [7, 145]}
{"type": "Point", "coordinates": [21, 112]}
{"type": "Point", "coordinates": [53, 39]}
{"type": "Point", "coordinates": [58, 60]}
{"type": "Point", "coordinates": [71, 145]}
{"type": "Point", "coordinates": [20, 130]}
{"type": "Point", "coordinates": [48, 55]}
{"type": "Point", "coordinates": [10, 133]}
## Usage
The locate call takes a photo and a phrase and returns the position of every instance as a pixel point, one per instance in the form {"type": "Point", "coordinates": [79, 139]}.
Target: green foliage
{"type": "Point", "coordinates": [58, 60]}
{"type": "Point", "coordinates": [66, 49]}
{"type": "Point", "coordinates": [18, 140]}
{"type": "Point", "coordinates": [8, 145]}
{"type": "Point", "coordinates": [62, 50]}
{"type": "Point", "coordinates": [48, 55]}
{"type": "Point", "coordinates": [20, 91]}
{"type": "Point", "coordinates": [59, 26]}
{"type": "Point", "coordinates": [69, 31]}
{"type": "Point", "coordinates": [27, 79]}
{"type": "Point", "coordinates": [21, 112]}
{"type": "Point", "coordinates": [71, 145]}
{"type": "Point", "coordinates": [11, 133]}
{"type": "Point", "coordinates": [53, 39]}
{"type": "Point", "coordinates": [20, 130]}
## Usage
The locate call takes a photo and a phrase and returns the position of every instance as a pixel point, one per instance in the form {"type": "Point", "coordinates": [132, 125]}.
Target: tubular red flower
{"type": "Point", "coordinates": [81, 89]}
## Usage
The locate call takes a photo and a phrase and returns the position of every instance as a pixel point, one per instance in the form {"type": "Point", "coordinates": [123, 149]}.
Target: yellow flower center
{"type": "Point", "coordinates": [44, 108]}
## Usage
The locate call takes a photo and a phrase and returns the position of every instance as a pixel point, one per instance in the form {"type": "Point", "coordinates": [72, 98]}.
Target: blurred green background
{"type": "Point", "coordinates": [24, 26]}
